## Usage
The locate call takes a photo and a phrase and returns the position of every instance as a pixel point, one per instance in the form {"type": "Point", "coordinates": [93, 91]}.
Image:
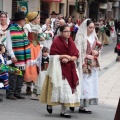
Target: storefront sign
{"type": "Point", "coordinates": [23, 6]}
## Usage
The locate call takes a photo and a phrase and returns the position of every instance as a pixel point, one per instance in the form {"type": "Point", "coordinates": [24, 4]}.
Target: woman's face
{"type": "Point", "coordinates": [66, 32]}
{"type": "Point", "coordinates": [37, 20]}
{"type": "Point", "coordinates": [3, 18]}
{"type": "Point", "coordinates": [90, 28]}
{"type": "Point", "coordinates": [69, 20]}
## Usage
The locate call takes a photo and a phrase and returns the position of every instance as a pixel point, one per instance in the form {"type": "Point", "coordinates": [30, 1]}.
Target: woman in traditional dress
{"type": "Point", "coordinates": [32, 29]}
{"type": "Point", "coordinates": [102, 35]}
{"type": "Point", "coordinates": [47, 22]}
{"type": "Point", "coordinates": [4, 22]}
{"type": "Point", "coordinates": [88, 45]}
{"type": "Point", "coordinates": [61, 85]}
{"type": "Point", "coordinates": [3, 27]}
{"type": "Point", "coordinates": [49, 38]}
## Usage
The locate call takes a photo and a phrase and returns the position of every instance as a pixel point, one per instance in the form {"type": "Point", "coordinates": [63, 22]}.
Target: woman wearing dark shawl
{"type": "Point", "coordinates": [62, 81]}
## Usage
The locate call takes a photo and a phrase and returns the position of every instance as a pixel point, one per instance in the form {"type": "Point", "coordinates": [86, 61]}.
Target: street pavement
{"type": "Point", "coordinates": [109, 90]}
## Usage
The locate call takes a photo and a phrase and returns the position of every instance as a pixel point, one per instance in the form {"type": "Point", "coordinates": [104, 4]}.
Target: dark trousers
{"type": "Point", "coordinates": [117, 114]}
{"type": "Point", "coordinates": [15, 84]}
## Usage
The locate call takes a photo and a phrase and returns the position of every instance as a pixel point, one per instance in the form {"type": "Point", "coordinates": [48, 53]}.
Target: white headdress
{"type": "Point", "coordinates": [8, 20]}
{"type": "Point", "coordinates": [81, 43]}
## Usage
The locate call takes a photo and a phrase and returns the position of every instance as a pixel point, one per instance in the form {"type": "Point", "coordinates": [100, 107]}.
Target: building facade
{"type": "Point", "coordinates": [10, 6]}
{"type": "Point", "coordinates": [97, 9]}
{"type": "Point", "coordinates": [104, 9]}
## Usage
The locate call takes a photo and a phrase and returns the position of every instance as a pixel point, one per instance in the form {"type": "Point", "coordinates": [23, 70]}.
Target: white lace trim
{"type": "Point", "coordinates": [64, 94]}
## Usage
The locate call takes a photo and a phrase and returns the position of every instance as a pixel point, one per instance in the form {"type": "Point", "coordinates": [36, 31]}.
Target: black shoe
{"type": "Point", "coordinates": [28, 91]}
{"type": "Point", "coordinates": [49, 110]}
{"type": "Point", "coordinates": [116, 59]}
{"type": "Point", "coordinates": [72, 108]}
{"type": "Point", "coordinates": [11, 97]}
{"type": "Point", "coordinates": [65, 115]}
{"type": "Point", "coordinates": [1, 99]}
{"type": "Point", "coordinates": [85, 111]}
{"type": "Point", "coordinates": [20, 97]}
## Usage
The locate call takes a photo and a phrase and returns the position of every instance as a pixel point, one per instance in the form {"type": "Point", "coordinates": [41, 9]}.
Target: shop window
{"type": "Point", "coordinates": [71, 10]}
{"type": "Point", "coordinates": [44, 13]}
{"type": "Point", "coordinates": [61, 8]}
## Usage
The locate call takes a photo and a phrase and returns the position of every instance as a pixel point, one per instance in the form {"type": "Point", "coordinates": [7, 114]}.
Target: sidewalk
{"type": "Point", "coordinates": [109, 90]}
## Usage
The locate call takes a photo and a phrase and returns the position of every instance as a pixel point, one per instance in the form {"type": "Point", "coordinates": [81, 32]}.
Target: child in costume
{"type": "Point", "coordinates": [42, 62]}
{"type": "Point", "coordinates": [4, 69]}
{"type": "Point", "coordinates": [3, 75]}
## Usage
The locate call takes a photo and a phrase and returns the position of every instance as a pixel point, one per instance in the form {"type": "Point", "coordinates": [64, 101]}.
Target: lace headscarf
{"type": "Point", "coordinates": [81, 43]}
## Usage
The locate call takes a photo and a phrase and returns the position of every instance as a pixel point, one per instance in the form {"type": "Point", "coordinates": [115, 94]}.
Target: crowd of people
{"type": "Point", "coordinates": [60, 58]}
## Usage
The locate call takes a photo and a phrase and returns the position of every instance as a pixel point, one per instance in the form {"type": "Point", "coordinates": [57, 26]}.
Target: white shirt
{"type": "Point", "coordinates": [43, 27]}
{"type": "Point", "coordinates": [52, 23]}
{"type": "Point", "coordinates": [8, 44]}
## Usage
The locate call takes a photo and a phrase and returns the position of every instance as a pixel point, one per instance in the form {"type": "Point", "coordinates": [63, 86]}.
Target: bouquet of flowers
{"type": "Point", "coordinates": [5, 68]}
{"type": "Point", "coordinates": [98, 46]}
{"type": "Point", "coordinates": [44, 35]}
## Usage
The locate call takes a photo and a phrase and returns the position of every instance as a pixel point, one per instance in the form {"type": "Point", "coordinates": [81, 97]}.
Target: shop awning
{"type": "Point", "coordinates": [103, 6]}
{"type": "Point", "coordinates": [52, 0]}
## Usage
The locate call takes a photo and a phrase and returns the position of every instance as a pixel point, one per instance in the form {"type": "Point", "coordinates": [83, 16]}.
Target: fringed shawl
{"type": "Point", "coordinates": [20, 45]}
{"type": "Point", "coordinates": [60, 47]}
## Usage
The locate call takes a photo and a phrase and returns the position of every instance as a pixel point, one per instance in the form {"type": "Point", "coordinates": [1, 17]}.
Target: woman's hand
{"type": "Point", "coordinates": [90, 57]}
{"type": "Point", "coordinates": [65, 60]}
{"type": "Point", "coordinates": [68, 57]}
{"type": "Point", "coordinates": [14, 60]}
{"type": "Point", "coordinates": [94, 52]}
{"type": "Point", "coordinates": [42, 38]}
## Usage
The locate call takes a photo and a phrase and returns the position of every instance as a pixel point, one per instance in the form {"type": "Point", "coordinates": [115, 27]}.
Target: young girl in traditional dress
{"type": "Point", "coordinates": [88, 45]}
{"type": "Point", "coordinates": [3, 75]}
{"type": "Point", "coordinates": [44, 61]}
{"type": "Point", "coordinates": [61, 86]}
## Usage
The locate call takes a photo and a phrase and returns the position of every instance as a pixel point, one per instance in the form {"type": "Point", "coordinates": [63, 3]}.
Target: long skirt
{"type": "Point", "coordinates": [103, 38]}
{"type": "Point", "coordinates": [89, 89]}
{"type": "Point", "coordinates": [61, 95]}
{"type": "Point", "coordinates": [31, 73]}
